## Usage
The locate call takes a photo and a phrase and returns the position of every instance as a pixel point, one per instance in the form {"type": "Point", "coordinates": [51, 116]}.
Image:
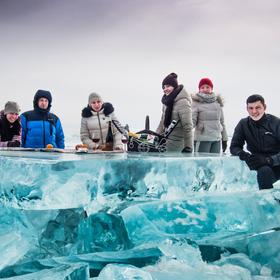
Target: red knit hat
{"type": "Point", "coordinates": [205, 81]}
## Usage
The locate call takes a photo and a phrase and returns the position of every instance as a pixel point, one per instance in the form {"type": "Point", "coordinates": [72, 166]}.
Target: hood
{"type": "Point", "coordinates": [39, 94]}
{"type": "Point", "coordinates": [183, 95]}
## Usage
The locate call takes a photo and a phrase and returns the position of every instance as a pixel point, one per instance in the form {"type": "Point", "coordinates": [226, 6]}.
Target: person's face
{"type": "Point", "coordinates": [167, 89]}
{"type": "Point", "coordinates": [205, 89]}
{"type": "Point", "coordinates": [96, 105]}
{"type": "Point", "coordinates": [256, 110]}
{"type": "Point", "coordinates": [43, 103]}
{"type": "Point", "coordinates": [12, 117]}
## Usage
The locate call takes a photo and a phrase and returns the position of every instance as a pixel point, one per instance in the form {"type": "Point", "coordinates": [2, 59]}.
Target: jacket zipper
{"type": "Point", "coordinates": [101, 135]}
{"type": "Point", "coordinates": [44, 134]}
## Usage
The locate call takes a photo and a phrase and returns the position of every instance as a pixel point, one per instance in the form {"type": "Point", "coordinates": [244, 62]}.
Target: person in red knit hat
{"type": "Point", "coordinates": [208, 119]}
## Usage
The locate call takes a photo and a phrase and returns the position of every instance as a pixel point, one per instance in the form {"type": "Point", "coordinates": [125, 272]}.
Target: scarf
{"type": "Point", "coordinates": [168, 101]}
{"type": "Point", "coordinates": [207, 98]}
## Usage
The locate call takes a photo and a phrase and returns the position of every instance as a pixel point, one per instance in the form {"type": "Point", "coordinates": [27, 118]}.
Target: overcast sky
{"type": "Point", "coordinates": [123, 49]}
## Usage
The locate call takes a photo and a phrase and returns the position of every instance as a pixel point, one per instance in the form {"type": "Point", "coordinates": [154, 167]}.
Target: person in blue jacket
{"type": "Point", "coordinates": [39, 126]}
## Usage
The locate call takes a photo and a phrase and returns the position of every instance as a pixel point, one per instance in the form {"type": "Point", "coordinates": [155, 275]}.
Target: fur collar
{"type": "Point", "coordinates": [107, 109]}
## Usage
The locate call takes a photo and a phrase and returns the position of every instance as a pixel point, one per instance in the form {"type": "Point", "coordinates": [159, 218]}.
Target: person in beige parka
{"type": "Point", "coordinates": [96, 118]}
{"type": "Point", "coordinates": [208, 119]}
{"type": "Point", "coordinates": [176, 106]}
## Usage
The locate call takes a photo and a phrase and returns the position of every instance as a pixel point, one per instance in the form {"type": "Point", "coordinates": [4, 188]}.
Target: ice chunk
{"type": "Point", "coordinates": [15, 236]}
{"type": "Point", "coordinates": [103, 232]}
{"type": "Point", "coordinates": [78, 271]}
{"type": "Point", "coordinates": [48, 183]}
{"type": "Point", "coordinates": [27, 234]}
{"type": "Point", "coordinates": [60, 235]}
{"type": "Point", "coordinates": [173, 269]}
{"type": "Point", "coordinates": [202, 218]}
{"type": "Point", "coordinates": [241, 260]}
{"type": "Point", "coordinates": [123, 272]}
{"type": "Point", "coordinates": [139, 257]}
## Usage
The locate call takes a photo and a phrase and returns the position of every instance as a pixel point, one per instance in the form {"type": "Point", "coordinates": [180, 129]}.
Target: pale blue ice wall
{"type": "Point", "coordinates": [50, 181]}
{"type": "Point", "coordinates": [67, 216]}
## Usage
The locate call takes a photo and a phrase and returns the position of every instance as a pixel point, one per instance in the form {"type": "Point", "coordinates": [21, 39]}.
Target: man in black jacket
{"type": "Point", "coordinates": [261, 132]}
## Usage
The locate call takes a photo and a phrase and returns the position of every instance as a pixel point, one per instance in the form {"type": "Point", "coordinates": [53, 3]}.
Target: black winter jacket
{"type": "Point", "coordinates": [261, 137]}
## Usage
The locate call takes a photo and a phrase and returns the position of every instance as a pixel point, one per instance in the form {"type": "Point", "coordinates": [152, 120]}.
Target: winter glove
{"type": "Point", "coordinates": [224, 146]}
{"type": "Point", "coordinates": [187, 150]}
{"type": "Point", "coordinates": [15, 143]}
{"type": "Point", "coordinates": [244, 156]}
{"type": "Point", "coordinates": [257, 161]}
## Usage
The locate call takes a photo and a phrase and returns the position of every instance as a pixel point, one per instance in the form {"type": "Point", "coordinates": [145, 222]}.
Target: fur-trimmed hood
{"type": "Point", "coordinates": [107, 109]}
{"type": "Point", "coordinates": [197, 98]}
{"type": "Point", "coordinates": [183, 95]}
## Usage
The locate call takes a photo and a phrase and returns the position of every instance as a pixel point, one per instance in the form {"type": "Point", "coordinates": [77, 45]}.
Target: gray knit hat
{"type": "Point", "coordinates": [94, 96]}
{"type": "Point", "coordinates": [11, 107]}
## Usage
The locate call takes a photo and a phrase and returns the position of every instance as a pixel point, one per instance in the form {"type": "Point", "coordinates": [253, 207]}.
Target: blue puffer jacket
{"type": "Point", "coordinates": [40, 127]}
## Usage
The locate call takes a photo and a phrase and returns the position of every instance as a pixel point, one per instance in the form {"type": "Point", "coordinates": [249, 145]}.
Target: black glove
{"type": "Point", "coordinates": [187, 150]}
{"type": "Point", "coordinates": [224, 146]}
{"type": "Point", "coordinates": [244, 156]}
{"type": "Point", "coordinates": [257, 161]}
{"type": "Point", "coordinates": [15, 143]}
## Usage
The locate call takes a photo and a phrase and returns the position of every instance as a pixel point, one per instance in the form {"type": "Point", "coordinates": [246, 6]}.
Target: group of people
{"type": "Point", "coordinates": [200, 127]}
{"type": "Point", "coordinates": [202, 111]}
{"type": "Point", "coordinates": [33, 129]}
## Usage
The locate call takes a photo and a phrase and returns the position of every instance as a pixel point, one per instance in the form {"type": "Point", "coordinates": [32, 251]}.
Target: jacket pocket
{"type": "Point", "coordinates": [270, 142]}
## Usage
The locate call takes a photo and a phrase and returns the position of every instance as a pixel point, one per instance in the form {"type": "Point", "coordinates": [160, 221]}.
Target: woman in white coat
{"type": "Point", "coordinates": [98, 130]}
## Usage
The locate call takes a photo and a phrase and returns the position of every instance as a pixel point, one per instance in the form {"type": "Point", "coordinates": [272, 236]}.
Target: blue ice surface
{"type": "Point", "coordinates": [135, 216]}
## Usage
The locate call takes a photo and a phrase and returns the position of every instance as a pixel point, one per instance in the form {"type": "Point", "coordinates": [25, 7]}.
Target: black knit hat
{"type": "Point", "coordinates": [170, 80]}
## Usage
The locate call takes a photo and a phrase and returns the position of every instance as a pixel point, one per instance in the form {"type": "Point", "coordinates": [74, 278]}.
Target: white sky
{"type": "Point", "coordinates": [123, 50]}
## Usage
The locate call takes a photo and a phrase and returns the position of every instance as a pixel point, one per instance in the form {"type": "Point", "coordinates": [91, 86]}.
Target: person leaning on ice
{"type": "Point", "coordinates": [10, 127]}
{"type": "Point", "coordinates": [176, 106]}
{"type": "Point", "coordinates": [261, 133]}
{"type": "Point", "coordinates": [40, 127]}
{"type": "Point", "coordinates": [96, 118]}
{"type": "Point", "coordinates": [208, 119]}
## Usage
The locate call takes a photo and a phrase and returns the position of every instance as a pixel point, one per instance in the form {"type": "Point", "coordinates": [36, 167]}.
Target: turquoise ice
{"type": "Point", "coordinates": [135, 216]}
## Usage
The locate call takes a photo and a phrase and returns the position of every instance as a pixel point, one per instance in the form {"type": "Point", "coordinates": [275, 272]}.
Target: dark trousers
{"type": "Point", "coordinates": [207, 146]}
{"type": "Point", "coordinates": [267, 176]}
